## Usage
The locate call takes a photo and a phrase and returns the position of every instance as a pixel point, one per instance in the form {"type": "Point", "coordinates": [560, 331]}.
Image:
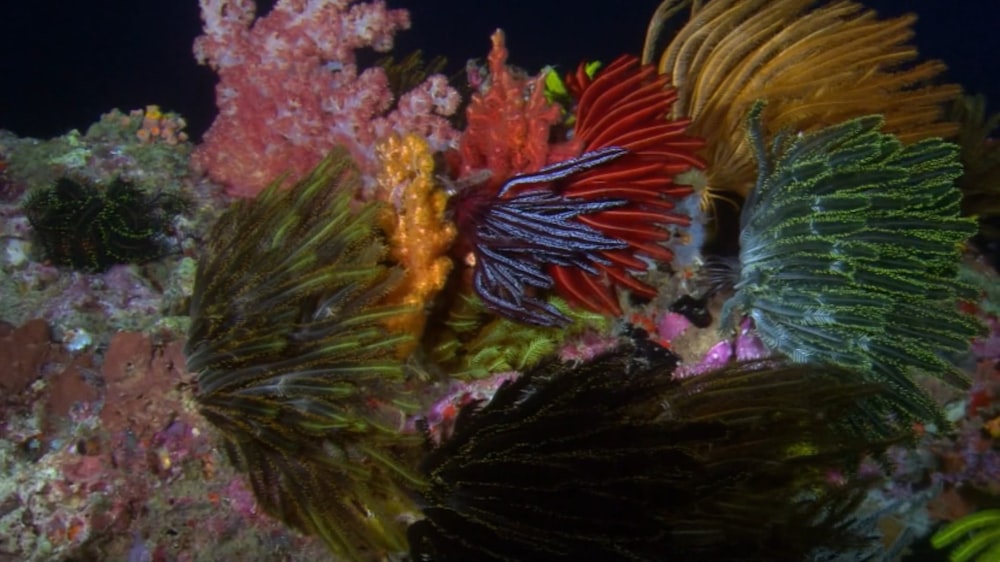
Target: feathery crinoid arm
{"type": "Point", "coordinates": [816, 63]}
{"type": "Point", "coordinates": [613, 459]}
{"type": "Point", "coordinates": [849, 254]}
{"type": "Point", "coordinates": [295, 367]}
{"type": "Point", "coordinates": [973, 537]}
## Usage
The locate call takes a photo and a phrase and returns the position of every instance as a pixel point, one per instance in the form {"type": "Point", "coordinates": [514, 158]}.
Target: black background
{"type": "Point", "coordinates": [63, 63]}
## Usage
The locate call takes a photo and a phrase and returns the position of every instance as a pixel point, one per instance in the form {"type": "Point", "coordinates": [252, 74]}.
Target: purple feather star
{"type": "Point", "coordinates": [521, 232]}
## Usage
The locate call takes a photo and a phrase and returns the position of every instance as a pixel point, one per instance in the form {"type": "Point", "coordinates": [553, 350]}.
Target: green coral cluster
{"type": "Point", "coordinates": [849, 255]}
{"type": "Point", "coordinates": [478, 343]}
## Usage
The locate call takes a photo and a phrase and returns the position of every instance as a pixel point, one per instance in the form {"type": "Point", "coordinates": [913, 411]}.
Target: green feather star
{"type": "Point", "coordinates": [294, 365]}
{"type": "Point", "coordinates": [849, 254]}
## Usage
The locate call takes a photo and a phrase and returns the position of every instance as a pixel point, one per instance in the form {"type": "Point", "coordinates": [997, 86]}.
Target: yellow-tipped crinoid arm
{"type": "Point", "coordinates": [815, 65]}
{"type": "Point", "coordinates": [418, 232]}
{"type": "Point", "coordinates": [296, 368]}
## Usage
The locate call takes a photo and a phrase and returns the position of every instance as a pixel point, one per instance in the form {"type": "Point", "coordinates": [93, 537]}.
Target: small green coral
{"type": "Point", "coordinates": [556, 90]}
{"type": "Point", "coordinates": [479, 343]}
{"type": "Point", "coordinates": [849, 255]}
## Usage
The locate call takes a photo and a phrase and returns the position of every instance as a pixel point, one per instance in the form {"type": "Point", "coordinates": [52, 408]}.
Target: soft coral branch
{"type": "Point", "coordinates": [290, 89]}
{"type": "Point", "coordinates": [508, 124]}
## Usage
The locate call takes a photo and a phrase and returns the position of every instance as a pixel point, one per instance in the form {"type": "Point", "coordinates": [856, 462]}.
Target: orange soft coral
{"type": "Point", "coordinates": [419, 234]}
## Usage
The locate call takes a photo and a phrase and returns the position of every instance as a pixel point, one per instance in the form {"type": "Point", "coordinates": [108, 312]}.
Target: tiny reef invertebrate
{"type": "Point", "coordinates": [295, 366]}
{"type": "Point", "coordinates": [91, 228]}
{"type": "Point", "coordinates": [849, 254]}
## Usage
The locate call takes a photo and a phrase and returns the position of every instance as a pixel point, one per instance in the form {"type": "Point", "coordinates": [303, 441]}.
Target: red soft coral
{"type": "Point", "coordinates": [508, 124]}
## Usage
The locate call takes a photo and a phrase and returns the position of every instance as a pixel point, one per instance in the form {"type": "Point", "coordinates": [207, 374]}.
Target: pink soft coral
{"type": "Point", "coordinates": [290, 89]}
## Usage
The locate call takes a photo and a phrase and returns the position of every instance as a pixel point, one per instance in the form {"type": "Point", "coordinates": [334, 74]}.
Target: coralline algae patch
{"type": "Point", "coordinates": [104, 458]}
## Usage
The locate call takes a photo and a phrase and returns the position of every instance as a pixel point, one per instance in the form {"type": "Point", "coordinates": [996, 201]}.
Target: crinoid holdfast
{"type": "Point", "coordinates": [295, 367]}
{"type": "Point", "coordinates": [614, 460]}
{"type": "Point", "coordinates": [91, 228]}
{"type": "Point", "coordinates": [849, 253]}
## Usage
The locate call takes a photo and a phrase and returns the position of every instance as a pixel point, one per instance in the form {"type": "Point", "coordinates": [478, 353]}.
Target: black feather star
{"type": "Point", "coordinates": [91, 228]}
{"type": "Point", "coordinates": [614, 460]}
{"type": "Point", "coordinates": [519, 236]}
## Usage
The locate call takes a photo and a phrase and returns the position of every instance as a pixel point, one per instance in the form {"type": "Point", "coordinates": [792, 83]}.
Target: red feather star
{"type": "Point", "coordinates": [627, 105]}
{"type": "Point", "coordinates": [597, 215]}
